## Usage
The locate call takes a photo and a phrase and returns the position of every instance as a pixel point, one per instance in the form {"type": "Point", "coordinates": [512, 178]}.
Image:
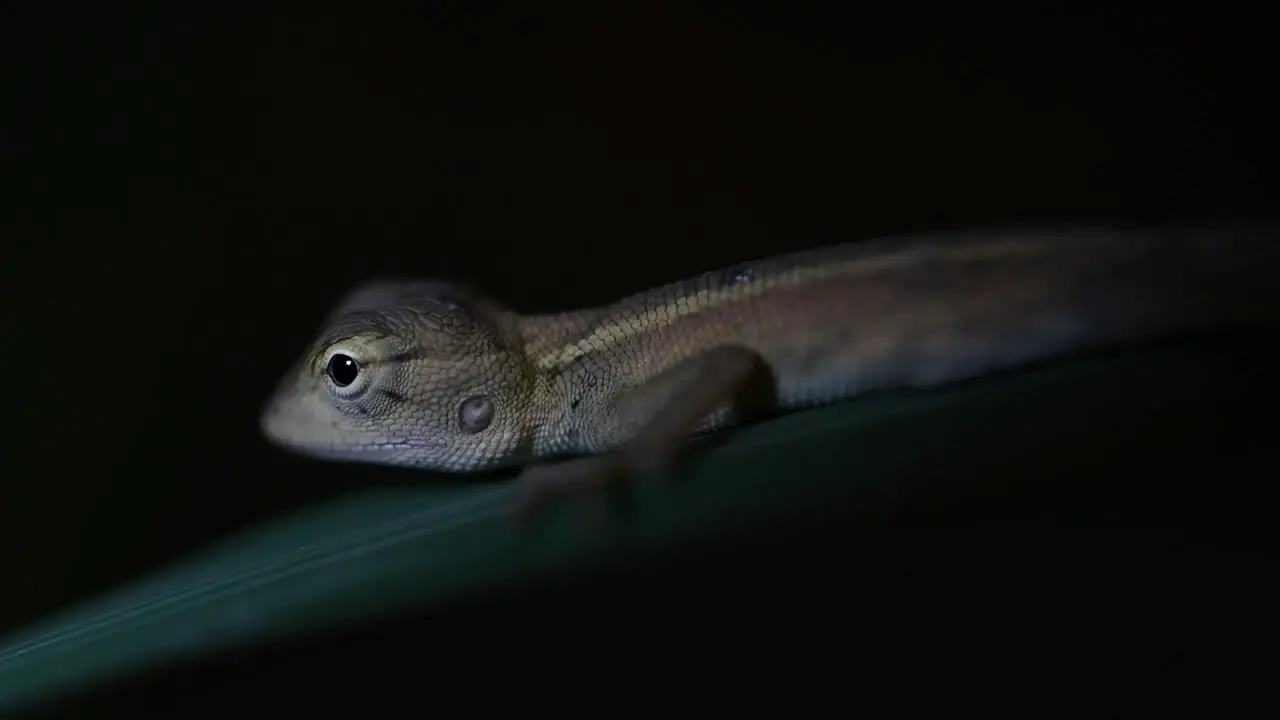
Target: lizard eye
{"type": "Point", "coordinates": [342, 370]}
{"type": "Point", "coordinates": [475, 413]}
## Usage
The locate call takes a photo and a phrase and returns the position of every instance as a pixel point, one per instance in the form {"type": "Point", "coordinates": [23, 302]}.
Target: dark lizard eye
{"type": "Point", "coordinates": [343, 370]}
{"type": "Point", "coordinates": [475, 413]}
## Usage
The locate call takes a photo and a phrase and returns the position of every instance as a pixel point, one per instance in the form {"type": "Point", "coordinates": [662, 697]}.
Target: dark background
{"type": "Point", "coordinates": [188, 186]}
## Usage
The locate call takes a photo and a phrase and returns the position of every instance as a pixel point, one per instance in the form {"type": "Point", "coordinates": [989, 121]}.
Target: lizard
{"type": "Point", "coordinates": [439, 376]}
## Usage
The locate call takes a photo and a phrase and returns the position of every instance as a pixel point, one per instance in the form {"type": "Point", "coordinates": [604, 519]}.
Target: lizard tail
{"type": "Point", "coordinates": [1197, 279]}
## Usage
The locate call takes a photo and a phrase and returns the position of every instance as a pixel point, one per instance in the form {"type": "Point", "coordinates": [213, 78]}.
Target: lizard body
{"type": "Point", "coordinates": [436, 376]}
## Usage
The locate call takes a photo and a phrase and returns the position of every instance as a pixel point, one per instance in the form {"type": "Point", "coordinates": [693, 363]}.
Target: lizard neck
{"type": "Point", "coordinates": [558, 404]}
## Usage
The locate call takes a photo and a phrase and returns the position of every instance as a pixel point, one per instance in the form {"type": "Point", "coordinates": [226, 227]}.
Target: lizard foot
{"type": "Point", "coordinates": [540, 486]}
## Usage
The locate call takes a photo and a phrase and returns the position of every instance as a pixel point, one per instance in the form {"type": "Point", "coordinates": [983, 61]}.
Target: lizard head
{"type": "Point", "coordinates": [408, 373]}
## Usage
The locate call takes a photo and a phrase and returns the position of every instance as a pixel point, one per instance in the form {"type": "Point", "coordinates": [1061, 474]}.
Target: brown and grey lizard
{"type": "Point", "coordinates": [436, 376]}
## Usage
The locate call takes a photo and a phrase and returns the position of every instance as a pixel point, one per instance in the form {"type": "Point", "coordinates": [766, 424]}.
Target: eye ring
{"type": "Point", "coordinates": [475, 414]}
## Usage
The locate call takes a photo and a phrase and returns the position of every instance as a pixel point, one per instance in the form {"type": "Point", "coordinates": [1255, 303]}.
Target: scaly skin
{"type": "Point", "coordinates": [446, 379]}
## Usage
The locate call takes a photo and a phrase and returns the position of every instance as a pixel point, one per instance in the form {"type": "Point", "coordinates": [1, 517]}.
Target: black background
{"type": "Point", "coordinates": [190, 185]}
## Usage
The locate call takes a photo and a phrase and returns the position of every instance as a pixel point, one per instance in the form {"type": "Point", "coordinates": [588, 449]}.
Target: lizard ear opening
{"type": "Point", "coordinates": [475, 414]}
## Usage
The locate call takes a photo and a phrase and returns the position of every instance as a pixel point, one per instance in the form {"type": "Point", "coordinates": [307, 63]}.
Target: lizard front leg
{"type": "Point", "coordinates": [659, 415]}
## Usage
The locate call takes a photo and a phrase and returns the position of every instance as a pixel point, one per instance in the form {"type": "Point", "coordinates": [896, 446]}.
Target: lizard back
{"type": "Point", "coordinates": [836, 322]}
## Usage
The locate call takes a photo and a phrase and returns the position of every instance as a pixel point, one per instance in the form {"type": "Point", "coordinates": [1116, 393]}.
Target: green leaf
{"type": "Point", "coordinates": [389, 549]}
